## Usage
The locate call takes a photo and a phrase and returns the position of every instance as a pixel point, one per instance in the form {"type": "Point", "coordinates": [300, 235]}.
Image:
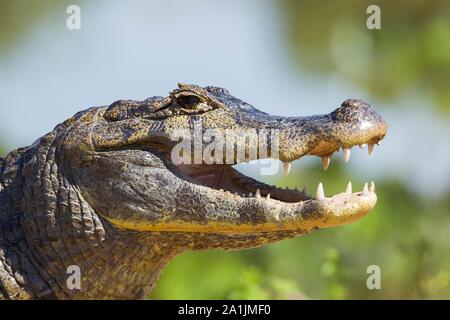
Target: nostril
{"type": "Point", "coordinates": [353, 103]}
{"type": "Point", "coordinates": [352, 110]}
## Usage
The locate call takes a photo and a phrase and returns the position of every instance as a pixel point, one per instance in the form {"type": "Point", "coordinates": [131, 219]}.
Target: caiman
{"type": "Point", "coordinates": [102, 193]}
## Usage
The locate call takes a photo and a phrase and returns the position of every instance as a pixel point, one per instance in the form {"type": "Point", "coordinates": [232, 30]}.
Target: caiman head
{"type": "Point", "coordinates": [125, 159]}
{"type": "Point", "coordinates": [118, 191]}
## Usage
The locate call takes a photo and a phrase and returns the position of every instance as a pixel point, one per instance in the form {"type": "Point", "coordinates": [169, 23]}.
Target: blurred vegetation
{"type": "Point", "coordinates": [411, 52]}
{"type": "Point", "coordinates": [17, 17]}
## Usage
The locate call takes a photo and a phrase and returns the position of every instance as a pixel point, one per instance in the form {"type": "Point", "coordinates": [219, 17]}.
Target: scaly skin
{"type": "Point", "coordinates": [101, 192]}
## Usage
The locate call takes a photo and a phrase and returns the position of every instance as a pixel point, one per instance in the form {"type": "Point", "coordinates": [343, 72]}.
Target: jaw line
{"type": "Point", "coordinates": [307, 213]}
{"type": "Point", "coordinates": [263, 215]}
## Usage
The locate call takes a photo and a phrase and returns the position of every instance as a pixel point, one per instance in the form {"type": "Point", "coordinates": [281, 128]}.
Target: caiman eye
{"type": "Point", "coordinates": [188, 102]}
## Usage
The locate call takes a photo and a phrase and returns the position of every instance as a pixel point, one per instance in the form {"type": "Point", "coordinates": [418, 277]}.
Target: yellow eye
{"type": "Point", "coordinates": [188, 101]}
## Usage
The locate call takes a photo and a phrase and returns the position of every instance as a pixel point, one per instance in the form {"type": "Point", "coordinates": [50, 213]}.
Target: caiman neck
{"type": "Point", "coordinates": [47, 227]}
{"type": "Point", "coordinates": [125, 266]}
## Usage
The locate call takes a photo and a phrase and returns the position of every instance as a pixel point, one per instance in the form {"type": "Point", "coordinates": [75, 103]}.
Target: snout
{"type": "Point", "coordinates": [355, 122]}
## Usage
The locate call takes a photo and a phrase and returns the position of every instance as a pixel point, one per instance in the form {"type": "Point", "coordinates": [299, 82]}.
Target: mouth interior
{"type": "Point", "coordinates": [226, 178]}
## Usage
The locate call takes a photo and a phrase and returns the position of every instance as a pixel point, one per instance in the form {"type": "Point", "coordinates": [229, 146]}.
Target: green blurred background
{"type": "Point", "coordinates": [286, 57]}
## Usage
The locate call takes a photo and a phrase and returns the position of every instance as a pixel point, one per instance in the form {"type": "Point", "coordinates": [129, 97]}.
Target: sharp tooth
{"type": "Point", "coordinates": [250, 195]}
{"type": "Point", "coordinates": [268, 196]}
{"type": "Point", "coordinates": [287, 168]}
{"type": "Point", "coordinates": [362, 145]}
{"type": "Point", "coordinates": [370, 147]}
{"type": "Point", "coordinates": [326, 162]}
{"type": "Point", "coordinates": [348, 189]}
{"type": "Point", "coordinates": [372, 186]}
{"type": "Point", "coordinates": [320, 195]}
{"type": "Point", "coordinates": [365, 190]}
{"type": "Point", "coordinates": [346, 154]}
{"type": "Point", "coordinates": [258, 194]}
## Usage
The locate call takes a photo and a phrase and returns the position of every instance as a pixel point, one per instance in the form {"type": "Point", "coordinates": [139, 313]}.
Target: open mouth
{"type": "Point", "coordinates": [231, 182]}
